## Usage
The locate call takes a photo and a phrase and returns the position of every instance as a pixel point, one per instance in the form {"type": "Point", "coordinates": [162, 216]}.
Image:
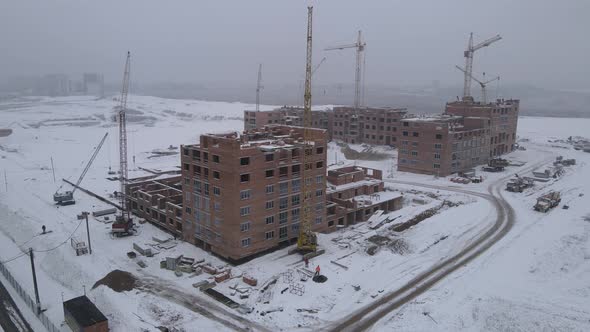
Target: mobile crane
{"type": "Point", "coordinates": [67, 197]}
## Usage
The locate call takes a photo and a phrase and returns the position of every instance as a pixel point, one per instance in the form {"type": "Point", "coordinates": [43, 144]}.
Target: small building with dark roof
{"type": "Point", "coordinates": [82, 315]}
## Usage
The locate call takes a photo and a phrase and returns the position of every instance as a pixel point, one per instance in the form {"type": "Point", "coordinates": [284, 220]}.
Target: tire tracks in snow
{"type": "Point", "coordinates": [364, 318]}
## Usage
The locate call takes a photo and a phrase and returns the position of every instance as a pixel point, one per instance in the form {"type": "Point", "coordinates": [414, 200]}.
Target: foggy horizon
{"type": "Point", "coordinates": [407, 43]}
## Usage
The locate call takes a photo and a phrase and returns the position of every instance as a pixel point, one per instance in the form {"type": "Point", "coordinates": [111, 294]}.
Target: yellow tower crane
{"type": "Point", "coordinates": [307, 240]}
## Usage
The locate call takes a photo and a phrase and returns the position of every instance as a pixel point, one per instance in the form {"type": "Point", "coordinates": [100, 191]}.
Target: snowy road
{"type": "Point", "coordinates": [10, 317]}
{"type": "Point", "coordinates": [366, 317]}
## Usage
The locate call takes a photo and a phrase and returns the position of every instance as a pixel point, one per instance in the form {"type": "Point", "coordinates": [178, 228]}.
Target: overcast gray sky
{"type": "Point", "coordinates": [545, 43]}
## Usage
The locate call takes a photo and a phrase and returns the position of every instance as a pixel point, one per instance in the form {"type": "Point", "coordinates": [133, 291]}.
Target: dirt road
{"type": "Point", "coordinates": [367, 316]}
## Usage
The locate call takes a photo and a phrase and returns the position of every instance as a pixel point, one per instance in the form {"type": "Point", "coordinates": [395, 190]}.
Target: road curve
{"type": "Point", "coordinates": [369, 315]}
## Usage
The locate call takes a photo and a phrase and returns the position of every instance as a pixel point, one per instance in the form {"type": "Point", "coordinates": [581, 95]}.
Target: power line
{"type": "Point", "coordinates": [14, 258]}
{"type": "Point", "coordinates": [65, 241]}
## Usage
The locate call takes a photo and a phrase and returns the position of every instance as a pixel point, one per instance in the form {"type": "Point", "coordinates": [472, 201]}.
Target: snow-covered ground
{"type": "Point", "coordinates": [496, 291]}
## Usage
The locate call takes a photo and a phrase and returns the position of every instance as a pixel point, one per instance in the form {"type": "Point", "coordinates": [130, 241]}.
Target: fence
{"type": "Point", "coordinates": [27, 299]}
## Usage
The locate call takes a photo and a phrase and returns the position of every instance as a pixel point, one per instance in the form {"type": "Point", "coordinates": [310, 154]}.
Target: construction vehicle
{"type": "Point", "coordinates": [123, 224]}
{"type": "Point", "coordinates": [468, 54]}
{"type": "Point", "coordinates": [307, 240]}
{"type": "Point", "coordinates": [67, 197]}
{"type": "Point", "coordinates": [518, 184]}
{"type": "Point", "coordinates": [498, 162]}
{"type": "Point", "coordinates": [548, 201]}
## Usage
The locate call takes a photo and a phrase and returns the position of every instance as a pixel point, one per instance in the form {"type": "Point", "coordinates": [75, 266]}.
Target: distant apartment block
{"type": "Point", "coordinates": [243, 193]}
{"type": "Point", "coordinates": [53, 85]}
{"type": "Point", "coordinates": [93, 84]}
{"type": "Point", "coordinates": [355, 193]}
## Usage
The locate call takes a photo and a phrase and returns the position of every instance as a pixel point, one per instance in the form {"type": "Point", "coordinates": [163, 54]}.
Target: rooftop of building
{"type": "Point", "coordinates": [267, 138]}
{"type": "Point", "coordinates": [435, 118]}
{"type": "Point", "coordinates": [369, 109]}
{"type": "Point", "coordinates": [478, 104]}
{"type": "Point", "coordinates": [383, 196]}
{"type": "Point", "coordinates": [366, 182]}
{"type": "Point", "coordinates": [84, 311]}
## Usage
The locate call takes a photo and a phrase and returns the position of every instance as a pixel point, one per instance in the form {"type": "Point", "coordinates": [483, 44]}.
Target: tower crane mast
{"type": "Point", "coordinates": [468, 54]}
{"type": "Point", "coordinates": [360, 48]}
{"type": "Point", "coordinates": [123, 224]}
{"type": "Point", "coordinates": [307, 240]}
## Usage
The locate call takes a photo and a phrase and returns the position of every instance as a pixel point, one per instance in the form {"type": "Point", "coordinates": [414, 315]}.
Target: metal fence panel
{"type": "Point", "coordinates": [27, 299]}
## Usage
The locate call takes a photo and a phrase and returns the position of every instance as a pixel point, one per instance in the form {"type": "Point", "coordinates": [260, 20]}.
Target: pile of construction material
{"type": "Point", "coordinates": [548, 173]}
{"type": "Point", "coordinates": [564, 162]}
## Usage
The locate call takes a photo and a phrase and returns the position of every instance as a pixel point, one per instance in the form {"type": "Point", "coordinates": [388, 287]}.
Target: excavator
{"type": "Point", "coordinates": [67, 197]}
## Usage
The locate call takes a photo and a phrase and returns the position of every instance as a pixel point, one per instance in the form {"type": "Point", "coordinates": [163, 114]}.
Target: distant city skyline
{"type": "Point", "coordinates": [408, 43]}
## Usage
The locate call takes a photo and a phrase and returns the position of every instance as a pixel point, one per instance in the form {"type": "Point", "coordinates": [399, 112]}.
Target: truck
{"type": "Point", "coordinates": [547, 201]}
{"type": "Point", "coordinates": [518, 184]}
{"type": "Point", "coordinates": [498, 162]}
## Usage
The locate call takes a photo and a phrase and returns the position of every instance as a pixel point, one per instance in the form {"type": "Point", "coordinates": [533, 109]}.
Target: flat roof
{"type": "Point", "coordinates": [84, 311]}
{"type": "Point", "coordinates": [366, 182]}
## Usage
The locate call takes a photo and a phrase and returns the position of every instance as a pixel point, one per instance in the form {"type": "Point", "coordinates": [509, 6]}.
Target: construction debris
{"type": "Point", "coordinates": [340, 265]}
{"type": "Point", "coordinates": [250, 280]}
{"type": "Point", "coordinates": [144, 251]}
{"type": "Point", "coordinates": [79, 246]}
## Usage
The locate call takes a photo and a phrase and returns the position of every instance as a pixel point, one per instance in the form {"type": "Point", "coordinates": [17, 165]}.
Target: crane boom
{"type": "Point", "coordinates": [90, 162]}
{"type": "Point", "coordinates": [67, 197]}
{"type": "Point", "coordinates": [307, 240]}
{"type": "Point", "coordinates": [468, 54]}
{"type": "Point", "coordinates": [360, 47]}
{"type": "Point", "coordinates": [318, 66]}
{"type": "Point", "coordinates": [487, 42]}
{"type": "Point", "coordinates": [125, 214]}
{"type": "Point", "coordinates": [482, 84]}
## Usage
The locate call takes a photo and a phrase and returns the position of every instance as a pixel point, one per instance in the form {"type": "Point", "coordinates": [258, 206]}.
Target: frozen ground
{"type": "Point", "coordinates": [496, 291]}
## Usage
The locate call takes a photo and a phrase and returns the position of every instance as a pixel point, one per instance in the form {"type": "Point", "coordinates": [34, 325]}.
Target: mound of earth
{"type": "Point", "coordinates": [119, 281]}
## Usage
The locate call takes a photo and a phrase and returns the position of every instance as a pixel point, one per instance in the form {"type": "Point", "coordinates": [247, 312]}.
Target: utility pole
{"type": "Point", "coordinates": [53, 169]}
{"type": "Point", "coordinates": [85, 213]}
{"type": "Point", "coordinates": [35, 281]}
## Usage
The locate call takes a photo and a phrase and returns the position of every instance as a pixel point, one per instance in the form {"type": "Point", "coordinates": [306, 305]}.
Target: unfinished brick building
{"type": "Point", "coordinates": [288, 116]}
{"type": "Point", "coordinates": [158, 201]}
{"type": "Point", "coordinates": [503, 121]}
{"type": "Point", "coordinates": [242, 193]}
{"type": "Point", "coordinates": [355, 193]}
{"type": "Point", "coordinates": [442, 144]}
{"type": "Point", "coordinates": [368, 125]}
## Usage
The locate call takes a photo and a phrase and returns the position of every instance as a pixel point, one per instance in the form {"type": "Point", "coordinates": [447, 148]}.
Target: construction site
{"type": "Point", "coordinates": [182, 215]}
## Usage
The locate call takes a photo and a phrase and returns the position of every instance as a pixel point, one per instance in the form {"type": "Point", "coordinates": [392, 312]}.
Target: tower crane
{"type": "Point", "coordinates": [360, 47]}
{"type": "Point", "coordinates": [67, 197]}
{"type": "Point", "coordinates": [123, 223]}
{"type": "Point", "coordinates": [258, 87]}
{"type": "Point", "coordinates": [482, 84]}
{"type": "Point", "coordinates": [468, 54]}
{"type": "Point", "coordinates": [307, 240]}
